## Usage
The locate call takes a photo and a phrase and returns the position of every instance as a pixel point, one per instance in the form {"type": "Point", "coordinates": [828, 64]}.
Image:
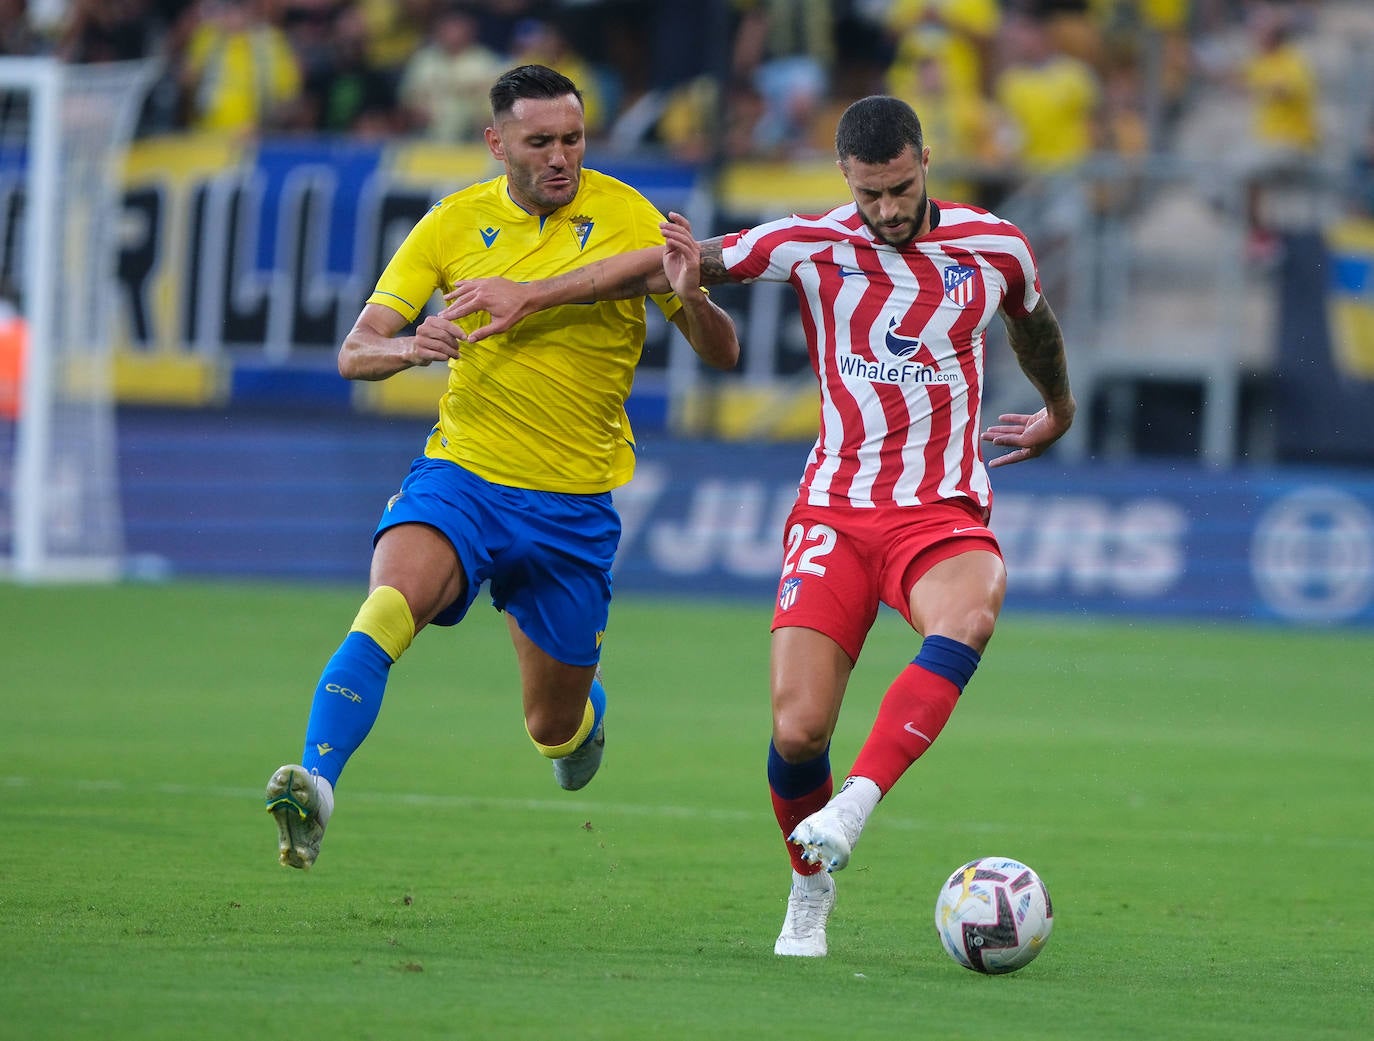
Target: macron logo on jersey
{"type": "Point", "coordinates": [959, 284]}
{"type": "Point", "coordinates": [489, 235]}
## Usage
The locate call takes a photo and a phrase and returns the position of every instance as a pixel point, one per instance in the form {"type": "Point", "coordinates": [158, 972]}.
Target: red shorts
{"type": "Point", "coordinates": [840, 563]}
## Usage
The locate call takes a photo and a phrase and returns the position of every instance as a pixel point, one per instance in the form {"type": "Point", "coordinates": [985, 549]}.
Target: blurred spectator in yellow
{"type": "Point", "coordinates": [686, 128]}
{"type": "Point", "coordinates": [1282, 85]}
{"type": "Point", "coordinates": [965, 131]}
{"type": "Point", "coordinates": [785, 49]}
{"type": "Point", "coordinates": [956, 33]}
{"type": "Point", "coordinates": [239, 74]}
{"type": "Point", "coordinates": [444, 85]}
{"type": "Point", "coordinates": [1052, 100]}
{"type": "Point", "coordinates": [687, 120]}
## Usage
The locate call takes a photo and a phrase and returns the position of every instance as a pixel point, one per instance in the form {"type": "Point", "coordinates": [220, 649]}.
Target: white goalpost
{"type": "Point", "coordinates": [64, 130]}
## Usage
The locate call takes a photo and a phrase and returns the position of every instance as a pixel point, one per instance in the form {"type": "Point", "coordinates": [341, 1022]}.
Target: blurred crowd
{"type": "Point", "coordinates": [1027, 86]}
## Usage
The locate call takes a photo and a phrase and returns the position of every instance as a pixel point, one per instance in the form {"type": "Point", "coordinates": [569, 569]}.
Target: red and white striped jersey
{"type": "Point", "coordinates": [896, 338]}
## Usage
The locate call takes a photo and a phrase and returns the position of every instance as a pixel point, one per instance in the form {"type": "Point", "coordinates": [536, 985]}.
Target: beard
{"type": "Point", "coordinates": [527, 186]}
{"type": "Point", "coordinates": [917, 220]}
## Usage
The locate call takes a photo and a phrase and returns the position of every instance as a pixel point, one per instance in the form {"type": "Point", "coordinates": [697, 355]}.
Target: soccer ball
{"type": "Point", "coordinates": [994, 915]}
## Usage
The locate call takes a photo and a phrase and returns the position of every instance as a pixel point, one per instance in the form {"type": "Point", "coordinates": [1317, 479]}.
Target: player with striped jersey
{"type": "Point", "coordinates": [896, 293]}
{"type": "Point", "coordinates": [896, 339]}
{"type": "Point", "coordinates": [513, 488]}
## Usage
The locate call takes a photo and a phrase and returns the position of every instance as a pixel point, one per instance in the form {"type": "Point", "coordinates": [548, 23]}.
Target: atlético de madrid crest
{"type": "Point", "coordinates": [787, 595]}
{"type": "Point", "coordinates": [959, 284]}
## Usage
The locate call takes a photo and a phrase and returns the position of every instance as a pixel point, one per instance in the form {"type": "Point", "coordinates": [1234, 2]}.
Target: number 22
{"type": "Point", "coordinates": [822, 540]}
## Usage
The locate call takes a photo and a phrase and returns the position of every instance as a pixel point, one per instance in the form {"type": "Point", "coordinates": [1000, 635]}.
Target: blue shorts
{"type": "Point", "coordinates": [547, 555]}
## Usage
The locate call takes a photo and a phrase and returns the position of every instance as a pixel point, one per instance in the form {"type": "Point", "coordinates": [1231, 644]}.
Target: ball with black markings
{"type": "Point", "coordinates": [994, 915]}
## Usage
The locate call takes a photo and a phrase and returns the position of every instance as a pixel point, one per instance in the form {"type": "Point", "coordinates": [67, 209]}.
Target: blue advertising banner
{"type": "Point", "coordinates": [1272, 545]}
{"type": "Point", "coordinates": [248, 494]}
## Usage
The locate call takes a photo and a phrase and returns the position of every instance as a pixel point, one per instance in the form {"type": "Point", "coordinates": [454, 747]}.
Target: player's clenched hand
{"type": "Point", "coordinates": [436, 339]}
{"type": "Point", "coordinates": [1029, 436]}
{"type": "Point", "coordinates": [682, 257]}
{"type": "Point", "coordinates": [505, 303]}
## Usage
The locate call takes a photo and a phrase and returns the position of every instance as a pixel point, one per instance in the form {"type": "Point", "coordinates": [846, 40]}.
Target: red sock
{"type": "Point", "coordinates": [914, 711]}
{"type": "Point", "coordinates": [791, 812]}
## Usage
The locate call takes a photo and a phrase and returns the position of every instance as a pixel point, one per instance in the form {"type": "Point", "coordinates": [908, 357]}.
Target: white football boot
{"type": "Point", "coordinates": [808, 909]}
{"type": "Point", "coordinates": [301, 802]}
{"type": "Point", "coordinates": [829, 835]}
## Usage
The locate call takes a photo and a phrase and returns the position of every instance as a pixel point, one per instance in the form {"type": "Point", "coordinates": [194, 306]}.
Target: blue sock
{"type": "Point", "coordinates": [951, 659]}
{"type": "Point", "coordinates": [347, 700]}
{"type": "Point", "coordinates": [793, 780]}
{"type": "Point", "coordinates": [598, 700]}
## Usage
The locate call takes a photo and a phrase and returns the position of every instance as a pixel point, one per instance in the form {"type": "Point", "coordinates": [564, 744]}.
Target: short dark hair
{"type": "Point", "coordinates": [876, 129]}
{"type": "Point", "coordinates": [529, 81]}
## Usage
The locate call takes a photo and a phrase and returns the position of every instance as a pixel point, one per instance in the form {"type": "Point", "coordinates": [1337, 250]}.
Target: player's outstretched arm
{"type": "Point", "coordinates": [621, 277]}
{"type": "Point", "coordinates": [1039, 345]}
{"type": "Point", "coordinates": [373, 351]}
{"type": "Point", "coordinates": [709, 330]}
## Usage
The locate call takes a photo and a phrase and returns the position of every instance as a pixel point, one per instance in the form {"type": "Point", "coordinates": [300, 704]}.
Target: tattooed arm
{"type": "Point", "coordinates": [713, 271]}
{"type": "Point", "coordinates": [1038, 343]}
{"type": "Point", "coordinates": [621, 277]}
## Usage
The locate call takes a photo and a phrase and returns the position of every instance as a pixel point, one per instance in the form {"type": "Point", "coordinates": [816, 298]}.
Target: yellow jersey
{"type": "Point", "coordinates": [542, 405]}
{"type": "Point", "coordinates": [1054, 108]}
{"type": "Point", "coordinates": [241, 76]}
{"type": "Point", "coordinates": [1284, 86]}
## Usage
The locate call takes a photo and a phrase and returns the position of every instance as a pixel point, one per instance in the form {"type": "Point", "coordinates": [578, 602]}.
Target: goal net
{"type": "Point", "coordinates": [64, 130]}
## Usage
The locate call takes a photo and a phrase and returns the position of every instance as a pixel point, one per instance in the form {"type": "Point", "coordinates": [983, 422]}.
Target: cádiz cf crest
{"type": "Point", "coordinates": [582, 230]}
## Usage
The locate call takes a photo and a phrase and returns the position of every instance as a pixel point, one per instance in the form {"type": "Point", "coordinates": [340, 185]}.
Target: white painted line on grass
{"type": "Point", "coordinates": [1209, 837]}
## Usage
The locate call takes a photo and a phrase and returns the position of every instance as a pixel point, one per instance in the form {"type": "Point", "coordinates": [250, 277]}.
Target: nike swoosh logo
{"type": "Point", "coordinates": [845, 272]}
{"type": "Point", "coordinates": [912, 730]}
{"type": "Point", "coordinates": [960, 531]}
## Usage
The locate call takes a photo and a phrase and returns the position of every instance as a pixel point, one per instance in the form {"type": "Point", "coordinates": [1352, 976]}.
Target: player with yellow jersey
{"type": "Point", "coordinates": [513, 490]}
{"type": "Point", "coordinates": [544, 405]}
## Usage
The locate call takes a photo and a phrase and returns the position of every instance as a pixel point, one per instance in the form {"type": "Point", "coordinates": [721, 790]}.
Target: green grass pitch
{"type": "Point", "coordinates": [1196, 797]}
